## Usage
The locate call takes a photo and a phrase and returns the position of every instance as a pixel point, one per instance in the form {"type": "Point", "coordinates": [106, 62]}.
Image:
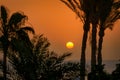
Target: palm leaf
{"type": "Point", "coordinates": [75, 6]}
{"type": "Point", "coordinates": [62, 57]}
{"type": "Point", "coordinates": [27, 28]}
{"type": "Point", "coordinates": [4, 14]}
{"type": "Point", "coordinates": [112, 18]}
{"type": "Point", "coordinates": [116, 5]}
{"type": "Point", "coordinates": [15, 19]}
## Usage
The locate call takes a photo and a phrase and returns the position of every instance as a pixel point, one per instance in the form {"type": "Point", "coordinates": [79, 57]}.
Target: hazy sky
{"type": "Point", "coordinates": [59, 24]}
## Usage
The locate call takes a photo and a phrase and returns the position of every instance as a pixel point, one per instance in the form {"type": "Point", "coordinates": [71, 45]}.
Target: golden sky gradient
{"type": "Point", "coordinates": [59, 24]}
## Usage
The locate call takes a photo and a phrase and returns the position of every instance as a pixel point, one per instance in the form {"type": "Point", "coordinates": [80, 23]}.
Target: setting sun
{"type": "Point", "coordinates": [69, 45]}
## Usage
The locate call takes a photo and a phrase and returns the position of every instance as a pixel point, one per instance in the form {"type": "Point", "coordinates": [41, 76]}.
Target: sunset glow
{"type": "Point", "coordinates": [60, 24]}
{"type": "Point", "coordinates": [59, 39]}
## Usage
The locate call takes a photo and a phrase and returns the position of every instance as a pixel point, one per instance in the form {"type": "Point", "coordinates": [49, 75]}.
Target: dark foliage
{"type": "Point", "coordinates": [10, 29]}
{"type": "Point", "coordinates": [98, 73]}
{"type": "Point", "coordinates": [46, 65]}
{"type": "Point", "coordinates": [116, 73]}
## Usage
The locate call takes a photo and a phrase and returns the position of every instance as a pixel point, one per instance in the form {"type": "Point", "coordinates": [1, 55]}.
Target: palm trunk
{"type": "Point", "coordinates": [5, 48]}
{"type": "Point", "coordinates": [5, 63]}
{"type": "Point", "coordinates": [83, 59]}
{"type": "Point", "coordinates": [101, 35]}
{"type": "Point", "coordinates": [94, 46]}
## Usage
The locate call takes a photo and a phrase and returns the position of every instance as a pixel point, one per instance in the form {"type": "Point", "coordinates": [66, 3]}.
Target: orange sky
{"type": "Point", "coordinates": [59, 24]}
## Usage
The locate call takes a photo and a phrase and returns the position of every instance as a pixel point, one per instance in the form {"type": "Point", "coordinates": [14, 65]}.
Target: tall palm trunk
{"type": "Point", "coordinates": [93, 46]}
{"type": "Point", "coordinates": [83, 59]}
{"type": "Point", "coordinates": [4, 39]}
{"type": "Point", "coordinates": [105, 13]}
{"type": "Point", "coordinates": [5, 63]}
{"type": "Point", "coordinates": [5, 48]}
{"type": "Point", "coordinates": [5, 44]}
{"type": "Point", "coordinates": [94, 22]}
{"type": "Point", "coordinates": [101, 35]}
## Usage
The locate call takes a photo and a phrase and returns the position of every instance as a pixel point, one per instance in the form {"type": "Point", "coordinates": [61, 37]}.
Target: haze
{"type": "Point", "coordinates": [60, 25]}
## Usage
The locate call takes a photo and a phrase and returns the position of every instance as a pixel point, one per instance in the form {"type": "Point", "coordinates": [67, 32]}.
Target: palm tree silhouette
{"type": "Point", "coordinates": [49, 66]}
{"type": "Point", "coordinates": [94, 22]}
{"type": "Point", "coordinates": [4, 37]}
{"type": "Point", "coordinates": [86, 11]}
{"type": "Point", "coordinates": [10, 29]}
{"type": "Point", "coordinates": [108, 15]}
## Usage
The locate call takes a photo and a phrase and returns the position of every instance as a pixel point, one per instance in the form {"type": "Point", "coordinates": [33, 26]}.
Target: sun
{"type": "Point", "coordinates": [69, 45]}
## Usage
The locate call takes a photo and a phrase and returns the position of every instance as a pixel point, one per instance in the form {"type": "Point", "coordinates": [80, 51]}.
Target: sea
{"type": "Point", "coordinates": [109, 65]}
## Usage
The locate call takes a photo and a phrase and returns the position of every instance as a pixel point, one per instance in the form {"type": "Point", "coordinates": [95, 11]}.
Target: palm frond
{"type": "Point", "coordinates": [112, 18]}
{"type": "Point", "coordinates": [116, 5]}
{"type": "Point", "coordinates": [65, 55]}
{"type": "Point", "coordinates": [41, 45]}
{"type": "Point", "coordinates": [62, 57]}
{"type": "Point", "coordinates": [66, 3]}
{"type": "Point", "coordinates": [27, 28]}
{"type": "Point", "coordinates": [15, 19]}
{"type": "Point", "coordinates": [24, 37]}
{"type": "Point", "coordinates": [75, 6]}
{"type": "Point", "coordinates": [4, 14]}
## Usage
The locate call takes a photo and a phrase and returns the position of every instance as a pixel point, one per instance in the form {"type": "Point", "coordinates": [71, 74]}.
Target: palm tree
{"type": "Point", "coordinates": [11, 28]}
{"type": "Point", "coordinates": [4, 37]}
{"type": "Point", "coordinates": [104, 13]}
{"type": "Point", "coordinates": [82, 10]}
{"type": "Point", "coordinates": [22, 47]}
{"type": "Point", "coordinates": [21, 44]}
{"type": "Point", "coordinates": [108, 15]}
{"type": "Point", "coordinates": [94, 21]}
{"type": "Point", "coordinates": [49, 66]}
